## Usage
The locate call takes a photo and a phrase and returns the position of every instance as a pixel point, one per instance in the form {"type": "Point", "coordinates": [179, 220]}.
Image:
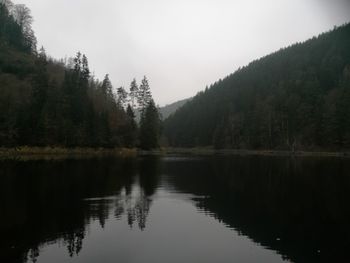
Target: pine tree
{"type": "Point", "coordinates": [107, 87]}
{"type": "Point", "coordinates": [134, 89]}
{"type": "Point", "coordinates": [122, 96]}
{"type": "Point", "coordinates": [131, 129]}
{"type": "Point", "coordinates": [39, 96]}
{"type": "Point", "coordinates": [85, 72]}
{"type": "Point", "coordinates": [144, 95]}
{"type": "Point", "coordinates": [150, 125]}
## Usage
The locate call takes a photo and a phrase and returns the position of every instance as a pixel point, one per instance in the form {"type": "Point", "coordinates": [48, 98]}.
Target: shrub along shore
{"type": "Point", "coordinates": [212, 151]}
{"type": "Point", "coordinates": [52, 152]}
{"type": "Point", "coordinates": [81, 152]}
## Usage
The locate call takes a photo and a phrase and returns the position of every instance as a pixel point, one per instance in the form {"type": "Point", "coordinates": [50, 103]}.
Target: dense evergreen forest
{"type": "Point", "coordinates": [48, 102]}
{"type": "Point", "coordinates": [296, 98]}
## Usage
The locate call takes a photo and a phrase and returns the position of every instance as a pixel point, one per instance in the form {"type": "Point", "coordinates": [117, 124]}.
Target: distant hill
{"type": "Point", "coordinates": [169, 109]}
{"type": "Point", "coordinates": [165, 111]}
{"type": "Point", "coordinates": [295, 98]}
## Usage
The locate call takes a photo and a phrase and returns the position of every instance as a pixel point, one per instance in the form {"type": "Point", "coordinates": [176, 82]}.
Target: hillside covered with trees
{"type": "Point", "coordinates": [49, 102]}
{"type": "Point", "coordinates": [295, 98]}
{"type": "Point", "coordinates": [171, 108]}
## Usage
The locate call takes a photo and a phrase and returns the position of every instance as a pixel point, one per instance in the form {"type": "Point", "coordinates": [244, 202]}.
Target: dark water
{"type": "Point", "coordinates": [175, 209]}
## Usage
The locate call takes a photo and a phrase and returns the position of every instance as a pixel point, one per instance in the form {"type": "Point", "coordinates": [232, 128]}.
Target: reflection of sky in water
{"type": "Point", "coordinates": [171, 229]}
{"type": "Point", "coordinates": [175, 209]}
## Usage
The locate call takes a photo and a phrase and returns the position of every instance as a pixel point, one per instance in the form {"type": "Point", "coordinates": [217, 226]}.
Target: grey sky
{"type": "Point", "coordinates": [180, 45]}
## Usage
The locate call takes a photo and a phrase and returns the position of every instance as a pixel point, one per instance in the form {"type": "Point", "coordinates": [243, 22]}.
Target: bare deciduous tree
{"type": "Point", "coordinates": [8, 3]}
{"type": "Point", "coordinates": [23, 17]}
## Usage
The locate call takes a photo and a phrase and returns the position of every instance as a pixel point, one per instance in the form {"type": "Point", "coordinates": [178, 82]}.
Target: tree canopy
{"type": "Point", "coordinates": [150, 125]}
{"type": "Point", "coordinates": [48, 102]}
{"type": "Point", "coordinates": [296, 98]}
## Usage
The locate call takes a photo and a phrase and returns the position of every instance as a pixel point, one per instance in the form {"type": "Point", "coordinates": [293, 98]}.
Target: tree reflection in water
{"type": "Point", "coordinates": [297, 207]}
{"type": "Point", "coordinates": [46, 202]}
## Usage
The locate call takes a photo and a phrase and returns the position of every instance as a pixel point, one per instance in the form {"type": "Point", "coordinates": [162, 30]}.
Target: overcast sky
{"type": "Point", "coordinates": [180, 45]}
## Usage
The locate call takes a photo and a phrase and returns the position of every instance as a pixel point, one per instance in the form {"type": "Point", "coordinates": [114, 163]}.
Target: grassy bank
{"type": "Point", "coordinates": [212, 151]}
{"type": "Point", "coordinates": [29, 153]}
{"type": "Point", "coordinates": [61, 152]}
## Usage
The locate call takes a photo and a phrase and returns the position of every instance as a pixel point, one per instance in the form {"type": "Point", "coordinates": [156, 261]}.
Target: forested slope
{"type": "Point", "coordinates": [48, 102]}
{"type": "Point", "coordinates": [169, 109]}
{"type": "Point", "coordinates": [296, 98]}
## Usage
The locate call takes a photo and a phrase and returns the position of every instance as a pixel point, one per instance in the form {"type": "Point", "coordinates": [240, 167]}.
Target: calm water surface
{"type": "Point", "coordinates": [175, 209]}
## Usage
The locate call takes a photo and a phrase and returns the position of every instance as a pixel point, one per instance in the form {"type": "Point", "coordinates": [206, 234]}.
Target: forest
{"type": "Point", "coordinates": [297, 98]}
{"type": "Point", "coordinates": [50, 102]}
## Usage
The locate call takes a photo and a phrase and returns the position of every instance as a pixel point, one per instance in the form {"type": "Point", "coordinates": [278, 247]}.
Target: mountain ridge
{"type": "Point", "coordinates": [293, 98]}
{"type": "Point", "coordinates": [171, 108]}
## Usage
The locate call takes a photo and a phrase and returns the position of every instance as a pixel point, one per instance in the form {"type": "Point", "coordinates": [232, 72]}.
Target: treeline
{"type": "Point", "coordinates": [46, 102]}
{"type": "Point", "coordinates": [15, 26]}
{"type": "Point", "coordinates": [296, 98]}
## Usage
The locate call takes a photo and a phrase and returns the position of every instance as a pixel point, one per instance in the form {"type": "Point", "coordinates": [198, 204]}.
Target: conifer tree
{"type": "Point", "coordinates": [134, 89]}
{"type": "Point", "coordinates": [150, 127]}
{"type": "Point", "coordinates": [39, 96]}
{"type": "Point", "coordinates": [144, 95]}
{"type": "Point", "coordinates": [131, 131]}
{"type": "Point", "coordinates": [122, 96]}
{"type": "Point", "coordinates": [85, 72]}
{"type": "Point", "coordinates": [107, 88]}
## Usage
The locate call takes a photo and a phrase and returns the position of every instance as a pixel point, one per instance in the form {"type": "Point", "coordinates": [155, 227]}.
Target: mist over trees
{"type": "Point", "coordinates": [296, 98]}
{"type": "Point", "coordinates": [48, 102]}
{"type": "Point", "coordinates": [171, 108]}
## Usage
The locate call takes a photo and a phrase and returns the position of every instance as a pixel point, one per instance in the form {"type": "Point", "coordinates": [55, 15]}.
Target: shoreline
{"type": "Point", "coordinates": [37, 153]}
{"type": "Point", "coordinates": [246, 152]}
{"type": "Point", "coordinates": [81, 152]}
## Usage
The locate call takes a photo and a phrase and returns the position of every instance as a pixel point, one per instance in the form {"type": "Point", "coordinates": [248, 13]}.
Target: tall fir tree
{"type": "Point", "coordinates": [144, 95]}
{"type": "Point", "coordinates": [122, 96]}
{"type": "Point", "coordinates": [107, 88]}
{"type": "Point", "coordinates": [131, 129]}
{"type": "Point", "coordinates": [150, 126]}
{"type": "Point", "coordinates": [40, 85]}
{"type": "Point", "coordinates": [133, 92]}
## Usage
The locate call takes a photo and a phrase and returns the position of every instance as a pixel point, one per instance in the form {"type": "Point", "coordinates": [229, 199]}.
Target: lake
{"type": "Point", "coordinates": [175, 209]}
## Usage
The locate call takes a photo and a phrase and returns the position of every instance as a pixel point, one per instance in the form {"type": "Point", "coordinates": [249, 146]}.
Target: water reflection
{"type": "Point", "coordinates": [296, 207]}
{"type": "Point", "coordinates": [45, 202]}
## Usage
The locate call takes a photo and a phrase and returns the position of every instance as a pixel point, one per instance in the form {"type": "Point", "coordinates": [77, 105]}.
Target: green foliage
{"type": "Point", "coordinates": [122, 96]}
{"type": "Point", "coordinates": [169, 109]}
{"type": "Point", "coordinates": [295, 98]}
{"type": "Point", "coordinates": [131, 128]}
{"type": "Point", "coordinates": [15, 27]}
{"type": "Point", "coordinates": [150, 125]}
{"type": "Point", "coordinates": [144, 96]}
{"type": "Point", "coordinates": [44, 102]}
{"type": "Point", "coordinates": [134, 89]}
